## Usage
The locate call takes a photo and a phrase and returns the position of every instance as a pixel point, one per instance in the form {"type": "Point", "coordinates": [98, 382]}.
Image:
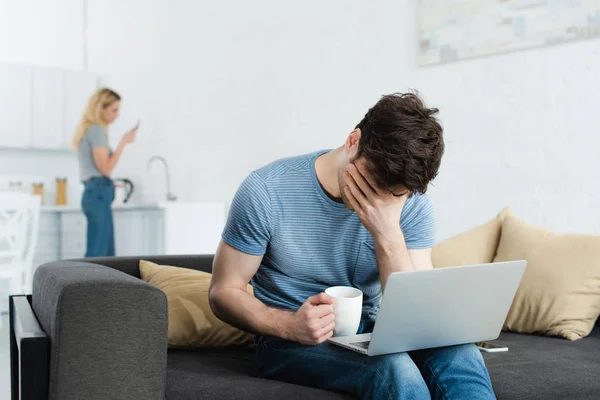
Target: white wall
{"type": "Point", "coordinates": [42, 32]}
{"type": "Point", "coordinates": [224, 87]}
{"type": "Point", "coordinates": [522, 129]}
{"type": "Point", "coordinates": [45, 33]}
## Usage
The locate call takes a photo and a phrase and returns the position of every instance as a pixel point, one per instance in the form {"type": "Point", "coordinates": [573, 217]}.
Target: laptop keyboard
{"type": "Point", "coordinates": [364, 345]}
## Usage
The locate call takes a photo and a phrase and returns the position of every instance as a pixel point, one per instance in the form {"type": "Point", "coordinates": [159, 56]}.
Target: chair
{"type": "Point", "coordinates": [19, 221]}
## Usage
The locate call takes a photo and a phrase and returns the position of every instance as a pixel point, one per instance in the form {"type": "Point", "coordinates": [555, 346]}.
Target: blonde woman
{"type": "Point", "coordinates": [96, 162]}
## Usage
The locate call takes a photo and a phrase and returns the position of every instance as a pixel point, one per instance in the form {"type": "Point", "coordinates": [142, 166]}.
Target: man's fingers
{"type": "Point", "coordinates": [325, 333]}
{"type": "Point", "coordinates": [321, 311]}
{"type": "Point", "coordinates": [327, 319]}
{"type": "Point", "coordinates": [361, 181]}
{"type": "Point", "coordinates": [368, 178]}
{"type": "Point", "coordinates": [351, 199]}
{"type": "Point", "coordinates": [321, 298]}
{"type": "Point", "coordinates": [357, 193]}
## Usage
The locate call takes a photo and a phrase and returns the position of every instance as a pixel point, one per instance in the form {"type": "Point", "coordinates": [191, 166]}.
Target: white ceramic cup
{"type": "Point", "coordinates": [347, 309]}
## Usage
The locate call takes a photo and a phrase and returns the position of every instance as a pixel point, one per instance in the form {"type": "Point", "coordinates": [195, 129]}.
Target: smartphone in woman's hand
{"type": "Point", "coordinates": [129, 137]}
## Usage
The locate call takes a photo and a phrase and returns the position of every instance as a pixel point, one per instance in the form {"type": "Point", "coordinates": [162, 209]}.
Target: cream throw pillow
{"type": "Point", "coordinates": [191, 321]}
{"type": "Point", "coordinates": [559, 294]}
{"type": "Point", "coordinates": [475, 246]}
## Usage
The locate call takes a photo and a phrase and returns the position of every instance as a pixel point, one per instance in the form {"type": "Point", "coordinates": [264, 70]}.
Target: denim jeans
{"type": "Point", "coordinates": [97, 197]}
{"type": "Point", "coordinates": [454, 372]}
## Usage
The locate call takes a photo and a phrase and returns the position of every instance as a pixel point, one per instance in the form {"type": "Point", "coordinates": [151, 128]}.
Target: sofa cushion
{"type": "Point", "coordinates": [228, 374]}
{"type": "Point", "coordinates": [535, 367]}
{"type": "Point", "coordinates": [475, 246]}
{"type": "Point", "coordinates": [191, 320]}
{"type": "Point", "coordinates": [559, 293]}
{"type": "Point", "coordinates": [540, 367]}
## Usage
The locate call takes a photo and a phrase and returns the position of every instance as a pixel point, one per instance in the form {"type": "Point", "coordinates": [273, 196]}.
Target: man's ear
{"type": "Point", "coordinates": [352, 142]}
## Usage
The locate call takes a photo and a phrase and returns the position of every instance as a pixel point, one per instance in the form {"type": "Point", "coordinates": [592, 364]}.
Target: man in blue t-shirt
{"type": "Point", "coordinates": [345, 217]}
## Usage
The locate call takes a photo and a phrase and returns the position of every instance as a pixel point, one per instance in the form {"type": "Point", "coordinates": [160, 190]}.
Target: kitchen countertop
{"type": "Point", "coordinates": [132, 206]}
{"type": "Point", "coordinates": [73, 208]}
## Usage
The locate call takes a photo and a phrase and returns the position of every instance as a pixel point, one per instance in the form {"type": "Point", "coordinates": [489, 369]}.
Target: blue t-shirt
{"type": "Point", "coordinates": [308, 241]}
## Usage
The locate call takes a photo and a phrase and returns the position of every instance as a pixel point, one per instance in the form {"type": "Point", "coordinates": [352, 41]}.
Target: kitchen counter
{"type": "Point", "coordinates": [72, 208]}
{"type": "Point", "coordinates": [141, 229]}
{"type": "Point", "coordinates": [137, 206]}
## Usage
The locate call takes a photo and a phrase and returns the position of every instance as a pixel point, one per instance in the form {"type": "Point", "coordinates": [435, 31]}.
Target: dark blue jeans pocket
{"type": "Point", "coordinates": [98, 192]}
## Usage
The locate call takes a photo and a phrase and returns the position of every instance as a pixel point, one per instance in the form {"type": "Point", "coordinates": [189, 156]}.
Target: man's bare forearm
{"type": "Point", "coordinates": [244, 311]}
{"type": "Point", "coordinates": [392, 257]}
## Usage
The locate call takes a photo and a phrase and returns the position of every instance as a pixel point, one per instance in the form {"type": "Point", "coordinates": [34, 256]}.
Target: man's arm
{"type": "Point", "coordinates": [395, 257]}
{"type": "Point", "coordinates": [229, 300]}
{"type": "Point", "coordinates": [380, 213]}
{"type": "Point", "coordinates": [421, 258]}
{"type": "Point", "coordinates": [396, 260]}
{"type": "Point", "coordinates": [311, 324]}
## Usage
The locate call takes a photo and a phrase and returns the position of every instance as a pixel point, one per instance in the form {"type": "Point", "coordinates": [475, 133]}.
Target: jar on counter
{"type": "Point", "coordinates": [61, 191]}
{"type": "Point", "coordinates": [38, 189]}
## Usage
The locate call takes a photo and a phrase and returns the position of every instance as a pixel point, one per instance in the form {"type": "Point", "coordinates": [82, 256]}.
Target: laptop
{"type": "Point", "coordinates": [440, 307]}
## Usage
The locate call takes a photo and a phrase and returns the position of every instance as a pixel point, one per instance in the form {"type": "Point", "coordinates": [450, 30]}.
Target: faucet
{"type": "Point", "coordinates": [170, 196]}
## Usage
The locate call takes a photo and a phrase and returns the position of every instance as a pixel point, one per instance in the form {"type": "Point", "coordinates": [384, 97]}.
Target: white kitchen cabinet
{"type": "Point", "coordinates": [48, 109]}
{"type": "Point", "coordinates": [41, 107]}
{"type": "Point", "coordinates": [138, 232]}
{"type": "Point", "coordinates": [73, 228]}
{"type": "Point", "coordinates": [193, 228]}
{"type": "Point", "coordinates": [78, 87]}
{"type": "Point", "coordinates": [48, 243]}
{"type": "Point", "coordinates": [142, 230]}
{"type": "Point", "coordinates": [15, 106]}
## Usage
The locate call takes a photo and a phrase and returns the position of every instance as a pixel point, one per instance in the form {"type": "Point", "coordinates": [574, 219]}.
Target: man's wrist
{"type": "Point", "coordinates": [391, 242]}
{"type": "Point", "coordinates": [282, 323]}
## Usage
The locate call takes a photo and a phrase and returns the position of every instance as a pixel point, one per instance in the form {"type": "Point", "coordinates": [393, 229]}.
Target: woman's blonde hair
{"type": "Point", "coordinates": [101, 99]}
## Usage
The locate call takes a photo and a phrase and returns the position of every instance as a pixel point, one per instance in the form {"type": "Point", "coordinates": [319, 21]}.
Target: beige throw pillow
{"type": "Point", "coordinates": [559, 294]}
{"type": "Point", "coordinates": [475, 246]}
{"type": "Point", "coordinates": [191, 321]}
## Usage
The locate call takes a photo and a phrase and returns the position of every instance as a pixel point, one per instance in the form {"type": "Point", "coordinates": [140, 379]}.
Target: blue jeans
{"type": "Point", "coordinates": [455, 372]}
{"type": "Point", "coordinates": [97, 197]}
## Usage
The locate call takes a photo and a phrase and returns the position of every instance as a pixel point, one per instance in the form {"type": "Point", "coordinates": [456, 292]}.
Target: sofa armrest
{"type": "Point", "coordinates": [108, 332]}
{"type": "Point", "coordinates": [29, 347]}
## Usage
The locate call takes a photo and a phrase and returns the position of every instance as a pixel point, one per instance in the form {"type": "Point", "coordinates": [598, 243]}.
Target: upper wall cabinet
{"type": "Point", "coordinates": [48, 109]}
{"type": "Point", "coordinates": [79, 86]}
{"type": "Point", "coordinates": [41, 107]}
{"type": "Point", "coordinates": [15, 106]}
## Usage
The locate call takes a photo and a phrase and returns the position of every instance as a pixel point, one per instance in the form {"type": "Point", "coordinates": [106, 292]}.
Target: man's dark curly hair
{"type": "Point", "coordinates": [401, 142]}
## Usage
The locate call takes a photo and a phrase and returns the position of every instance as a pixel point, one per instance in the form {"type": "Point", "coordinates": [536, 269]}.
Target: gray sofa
{"type": "Point", "coordinates": [93, 330]}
